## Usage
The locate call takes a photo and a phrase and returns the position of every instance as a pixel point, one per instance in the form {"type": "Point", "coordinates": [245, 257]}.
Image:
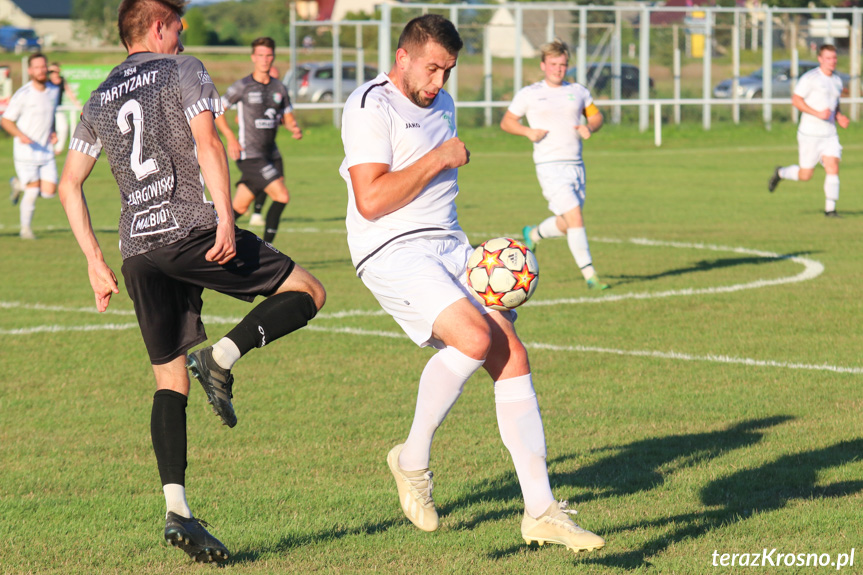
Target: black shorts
{"type": "Point", "coordinates": [166, 286]}
{"type": "Point", "coordinates": [258, 173]}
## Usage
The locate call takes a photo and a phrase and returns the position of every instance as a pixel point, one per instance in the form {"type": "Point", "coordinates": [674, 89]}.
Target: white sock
{"type": "Point", "coordinates": [547, 228]}
{"type": "Point", "coordinates": [831, 192]}
{"type": "Point", "coordinates": [175, 499]}
{"type": "Point", "coordinates": [28, 207]}
{"type": "Point", "coordinates": [440, 386]}
{"type": "Point", "coordinates": [521, 429]}
{"type": "Point", "coordinates": [226, 353]}
{"type": "Point", "coordinates": [577, 240]}
{"type": "Point", "coordinates": [790, 173]}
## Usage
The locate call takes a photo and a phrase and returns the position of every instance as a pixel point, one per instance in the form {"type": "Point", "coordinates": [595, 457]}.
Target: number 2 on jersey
{"type": "Point", "coordinates": [132, 108]}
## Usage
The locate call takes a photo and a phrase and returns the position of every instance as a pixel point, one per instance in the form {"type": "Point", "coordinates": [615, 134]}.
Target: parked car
{"type": "Point", "coordinates": [12, 38]}
{"type": "Point", "coordinates": [316, 80]}
{"type": "Point", "coordinates": [599, 79]}
{"type": "Point", "coordinates": [752, 86]}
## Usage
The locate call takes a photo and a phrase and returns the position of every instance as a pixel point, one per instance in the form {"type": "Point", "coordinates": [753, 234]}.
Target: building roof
{"type": "Point", "coordinates": [45, 8]}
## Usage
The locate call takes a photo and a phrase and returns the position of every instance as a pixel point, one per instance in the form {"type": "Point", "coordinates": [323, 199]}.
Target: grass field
{"type": "Point", "coordinates": [709, 402]}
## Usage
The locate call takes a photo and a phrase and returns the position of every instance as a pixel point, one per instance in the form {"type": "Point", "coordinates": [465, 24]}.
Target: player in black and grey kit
{"type": "Point", "coordinates": [154, 117]}
{"type": "Point", "coordinates": [262, 106]}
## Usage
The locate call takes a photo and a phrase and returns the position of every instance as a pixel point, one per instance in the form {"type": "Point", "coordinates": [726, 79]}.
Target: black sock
{"type": "Point", "coordinates": [237, 214]}
{"type": "Point", "coordinates": [168, 431]}
{"type": "Point", "coordinates": [260, 197]}
{"type": "Point", "coordinates": [274, 317]}
{"type": "Point", "coordinates": [273, 216]}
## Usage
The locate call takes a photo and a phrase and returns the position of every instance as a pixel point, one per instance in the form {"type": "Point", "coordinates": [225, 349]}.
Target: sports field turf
{"type": "Point", "coordinates": [709, 402]}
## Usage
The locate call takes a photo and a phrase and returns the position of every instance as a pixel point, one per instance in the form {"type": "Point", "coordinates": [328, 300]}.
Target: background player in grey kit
{"type": "Point", "coordinates": [154, 116]}
{"type": "Point", "coordinates": [262, 106]}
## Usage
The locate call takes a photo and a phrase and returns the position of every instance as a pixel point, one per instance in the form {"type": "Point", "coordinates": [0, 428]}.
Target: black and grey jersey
{"type": "Point", "coordinates": [140, 116]}
{"type": "Point", "coordinates": [260, 108]}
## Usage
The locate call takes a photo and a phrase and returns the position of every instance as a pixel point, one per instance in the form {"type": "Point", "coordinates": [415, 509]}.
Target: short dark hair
{"type": "Point", "coordinates": [135, 16]}
{"type": "Point", "coordinates": [34, 56]}
{"type": "Point", "coordinates": [826, 48]}
{"type": "Point", "coordinates": [264, 41]}
{"type": "Point", "coordinates": [431, 27]}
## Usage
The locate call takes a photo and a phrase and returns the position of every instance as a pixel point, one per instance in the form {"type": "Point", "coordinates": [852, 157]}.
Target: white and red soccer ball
{"type": "Point", "coordinates": [503, 273]}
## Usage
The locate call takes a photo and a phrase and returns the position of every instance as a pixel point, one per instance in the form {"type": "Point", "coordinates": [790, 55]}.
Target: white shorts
{"type": "Point", "coordinates": [28, 173]}
{"type": "Point", "coordinates": [813, 148]}
{"type": "Point", "coordinates": [563, 185]}
{"type": "Point", "coordinates": [415, 280]}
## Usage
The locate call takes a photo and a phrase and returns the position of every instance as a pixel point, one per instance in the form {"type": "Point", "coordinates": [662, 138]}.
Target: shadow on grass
{"type": "Point", "coordinates": [296, 541]}
{"type": "Point", "coordinates": [735, 498]}
{"type": "Point", "coordinates": [643, 465]}
{"type": "Point", "coordinates": [636, 467]}
{"type": "Point", "coordinates": [705, 266]}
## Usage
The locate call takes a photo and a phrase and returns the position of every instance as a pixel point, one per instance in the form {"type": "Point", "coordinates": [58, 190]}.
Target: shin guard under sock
{"type": "Point", "coordinates": [276, 316]}
{"type": "Point", "coordinates": [168, 431]}
{"type": "Point", "coordinates": [274, 214]}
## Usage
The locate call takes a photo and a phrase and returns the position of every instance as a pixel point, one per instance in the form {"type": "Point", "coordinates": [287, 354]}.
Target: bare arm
{"type": "Point", "coordinates": [75, 171]}
{"type": "Point", "coordinates": [378, 191]}
{"type": "Point", "coordinates": [594, 123]}
{"type": "Point", "coordinates": [841, 119]}
{"type": "Point", "coordinates": [799, 103]}
{"type": "Point", "coordinates": [512, 125]}
{"type": "Point", "coordinates": [214, 167]}
{"type": "Point", "coordinates": [13, 130]}
{"type": "Point", "coordinates": [234, 147]}
{"type": "Point", "coordinates": [291, 124]}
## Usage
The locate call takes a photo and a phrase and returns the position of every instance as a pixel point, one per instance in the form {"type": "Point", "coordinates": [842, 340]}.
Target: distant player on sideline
{"type": "Point", "coordinates": [817, 96]}
{"type": "Point", "coordinates": [402, 155]}
{"type": "Point", "coordinates": [262, 106]}
{"type": "Point", "coordinates": [29, 118]}
{"type": "Point", "coordinates": [153, 116]}
{"type": "Point", "coordinates": [554, 109]}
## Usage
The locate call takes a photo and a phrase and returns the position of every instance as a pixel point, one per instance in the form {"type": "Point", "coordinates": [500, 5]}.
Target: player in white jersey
{"type": "Point", "coordinates": [402, 153]}
{"type": "Point", "coordinates": [554, 109]}
{"type": "Point", "coordinates": [30, 119]}
{"type": "Point", "coordinates": [817, 96]}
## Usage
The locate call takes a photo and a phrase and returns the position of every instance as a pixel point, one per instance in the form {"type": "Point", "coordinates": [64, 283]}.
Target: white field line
{"type": "Point", "coordinates": [670, 355]}
{"type": "Point", "coordinates": [811, 270]}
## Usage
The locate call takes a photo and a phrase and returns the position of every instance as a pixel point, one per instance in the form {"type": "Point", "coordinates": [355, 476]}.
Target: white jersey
{"type": "Point", "coordinates": [33, 112]}
{"type": "Point", "coordinates": [820, 92]}
{"type": "Point", "coordinates": [380, 125]}
{"type": "Point", "coordinates": [557, 110]}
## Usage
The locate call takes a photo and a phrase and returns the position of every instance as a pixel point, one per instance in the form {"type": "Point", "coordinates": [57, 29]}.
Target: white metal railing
{"type": "Point", "coordinates": [760, 22]}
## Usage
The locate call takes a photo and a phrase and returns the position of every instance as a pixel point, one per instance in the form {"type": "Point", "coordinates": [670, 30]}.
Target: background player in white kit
{"type": "Point", "coordinates": [30, 119]}
{"type": "Point", "coordinates": [401, 159]}
{"type": "Point", "coordinates": [554, 109]}
{"type": "Point", "coordinates": [817, 96]}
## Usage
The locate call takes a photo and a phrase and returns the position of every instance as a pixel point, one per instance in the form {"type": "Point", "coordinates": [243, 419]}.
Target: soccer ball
{"type": "Point", "coordinates": [503, 273]}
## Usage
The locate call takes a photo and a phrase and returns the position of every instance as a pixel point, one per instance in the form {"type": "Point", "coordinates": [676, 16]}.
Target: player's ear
{"type": "Point", "coordinates": [402, 58]}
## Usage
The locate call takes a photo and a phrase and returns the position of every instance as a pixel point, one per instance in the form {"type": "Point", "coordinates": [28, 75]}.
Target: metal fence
{"type": "Point", "coordinates": [618, 52]}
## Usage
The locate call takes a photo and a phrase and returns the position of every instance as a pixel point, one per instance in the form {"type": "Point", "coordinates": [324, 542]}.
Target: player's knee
{"type": "Point", "coordinates": [475, 341]}
{"type": "Point", "coordinates": [805, 175]}
{"type": "Point", "coordinates": [301, 280]}
{"type": "Point", "coordinates": [318, 293]}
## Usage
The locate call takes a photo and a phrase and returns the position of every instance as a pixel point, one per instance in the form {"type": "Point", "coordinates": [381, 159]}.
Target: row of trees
{"type": "Point", "coordinates": [238, 22]}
